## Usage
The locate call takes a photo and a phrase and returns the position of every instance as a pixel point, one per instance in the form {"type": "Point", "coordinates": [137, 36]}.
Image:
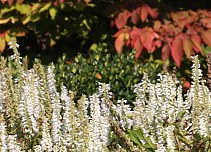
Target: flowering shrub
{"type": "Point", "coordinates": [34, 116]}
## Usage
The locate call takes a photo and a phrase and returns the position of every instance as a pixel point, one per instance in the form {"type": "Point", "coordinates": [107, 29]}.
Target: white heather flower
{"type": "Point", "coordinates": [99, 126]}
{"type": "Point", "coordinates": [104, 92]}
{"type": "Point", "coordinates": [104, 88]}
{"type": "Point", "coordinates": [29, 103]}
{"type": "Point", "coordinates": [105, 124]}
{"type": "Point", "coordinates": [203, 125]}
{"type": "Point", "coordinates": [13, 44]}
{"type": "Point", "coordinates": [199, 97]}
{"type": "Point", "coordinates": [12, 144]}
{"type": "Point", "coordinates": [170, 138]}
{"type": "Point", "coordinates": [3, 137]}
{"type": "Point", "coordinates": [56, 105]}
{"type": "Point", "coordinates": [37, 148]}
{"type": "Point", "coordinates": [67, 124]}
{"type": "Point", "coordinates": [46, 142]}
{"type": "Point", "coordinates": [124, 112]}
{"type": "Point", "coordinates": [94, 127]}
{"type": "Point", "coordinates": [59, 148]}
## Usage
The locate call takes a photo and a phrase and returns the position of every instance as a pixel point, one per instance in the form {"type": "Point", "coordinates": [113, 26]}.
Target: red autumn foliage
{"type": "Point", "coordinates": [183, 32]}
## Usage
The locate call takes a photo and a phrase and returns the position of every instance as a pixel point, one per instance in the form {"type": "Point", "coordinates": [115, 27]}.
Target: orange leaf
{"type": "Point", "coordinates": [206, 37]}
{"type": "Point", "coordinates": [166, 52]}
{"type": "Point", "coordinates": [196, 40]}
{"type": "Point", "coordinates": [2, 44]}
{"type": "Point", "coordinates": [144, 13]}
{"type": "Point", "coordinates": [188, 47]}
{"type": "Point", "coordinates": [20, 34]}
{"type": "Point", "coordinates": [120, 42]}
{"type": "Point", "coordinates": [177, 51]}
{"type": "Point", "coordinates": [98, 76]}
{"type": "Point", "coordinates": [122, 18]}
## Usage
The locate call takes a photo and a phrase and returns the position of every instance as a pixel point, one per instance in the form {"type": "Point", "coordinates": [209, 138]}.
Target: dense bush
{"type": "Point", "coordinates": [121, 71]}
{"type": "Point", "coordinates": [34, 116]}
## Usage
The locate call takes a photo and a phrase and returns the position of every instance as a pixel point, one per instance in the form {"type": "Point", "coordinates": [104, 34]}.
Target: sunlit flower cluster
{"type": "Point", "coordinates": [35, 116]}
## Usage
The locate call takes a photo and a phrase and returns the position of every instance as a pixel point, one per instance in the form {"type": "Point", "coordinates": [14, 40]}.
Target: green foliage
{"type": "Point", "coordinates": [58, 26]}
{"type": "Point", "coordinates": [82, 74]}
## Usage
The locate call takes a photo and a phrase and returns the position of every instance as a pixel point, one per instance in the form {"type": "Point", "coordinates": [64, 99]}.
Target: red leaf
{"type": "Point", "coordinates": [2, 35]}
{"type": "Point", "coordinates": [187, 22]}
{"type": "Point", "coordinates": [166, 52]}
{"type": "Point", "coordinates": [144, 13]}
{"type": "Point", "coordinates": [206, 37]}
{"type": "Point", "coordinates": [177, 51]}
{"type": "Point", "coordinates": [152, 12]}
{"type": "Point", "coordinates": [196, 40]}
{"type": "Point", "coordinates": [3, 1]}
{"type": "Point", "coordinates": [147, 37]}
{"type": "Point", "coordinates": [134, 34]}
{"type": "Point", "coordinates": [206, 22]}
{"type": "Point", "coordinates": [138, 47]}
{"type": "Point", "coordinates": [134, 17]}
{"type": "Point", "coordinates": [188, 47]}
{"type": "Point", "coordinates": [10, 2]}
{"type": "Point", "coordinates": [122, 18]}
{"type": "Point", "coordinates": [158, 43]}
{"type": "Point", "coordinates": [186, 84]}
{"type": "Point", "coordinates": [120, 42]}
{"type": "Point", "coordinates": [124, 30]}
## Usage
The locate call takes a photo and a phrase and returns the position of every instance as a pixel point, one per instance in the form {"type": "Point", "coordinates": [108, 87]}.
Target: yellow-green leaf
{"type": "Point", "coordinates": [23, 8]}
{"type": "Point", "coordinates": [53, 12]}
{"type": "Point", "coordinates": [35, 7]}
{"type": "Point", "coordinates": [45, 7]}
{"type": "Point", "coordinates": [8, 37]}
{"type": "Point", "coordinates": [27, 19]}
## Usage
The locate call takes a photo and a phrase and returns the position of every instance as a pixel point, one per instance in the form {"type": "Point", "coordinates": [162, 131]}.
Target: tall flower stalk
{"type": "Point", "coordinates": [35, 116]}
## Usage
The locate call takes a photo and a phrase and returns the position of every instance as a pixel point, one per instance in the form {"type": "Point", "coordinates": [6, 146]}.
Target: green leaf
{"type": "Point", "coordinates": [138, 135]}
{"type": "Point", "coordinates": [53, 11]}
{"type": "Point", "coordinates": [26, 20]}
{"type": "Point", "coordinates": [23, 8]}
{"type": "Point", "coordinates": [45, 7]}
